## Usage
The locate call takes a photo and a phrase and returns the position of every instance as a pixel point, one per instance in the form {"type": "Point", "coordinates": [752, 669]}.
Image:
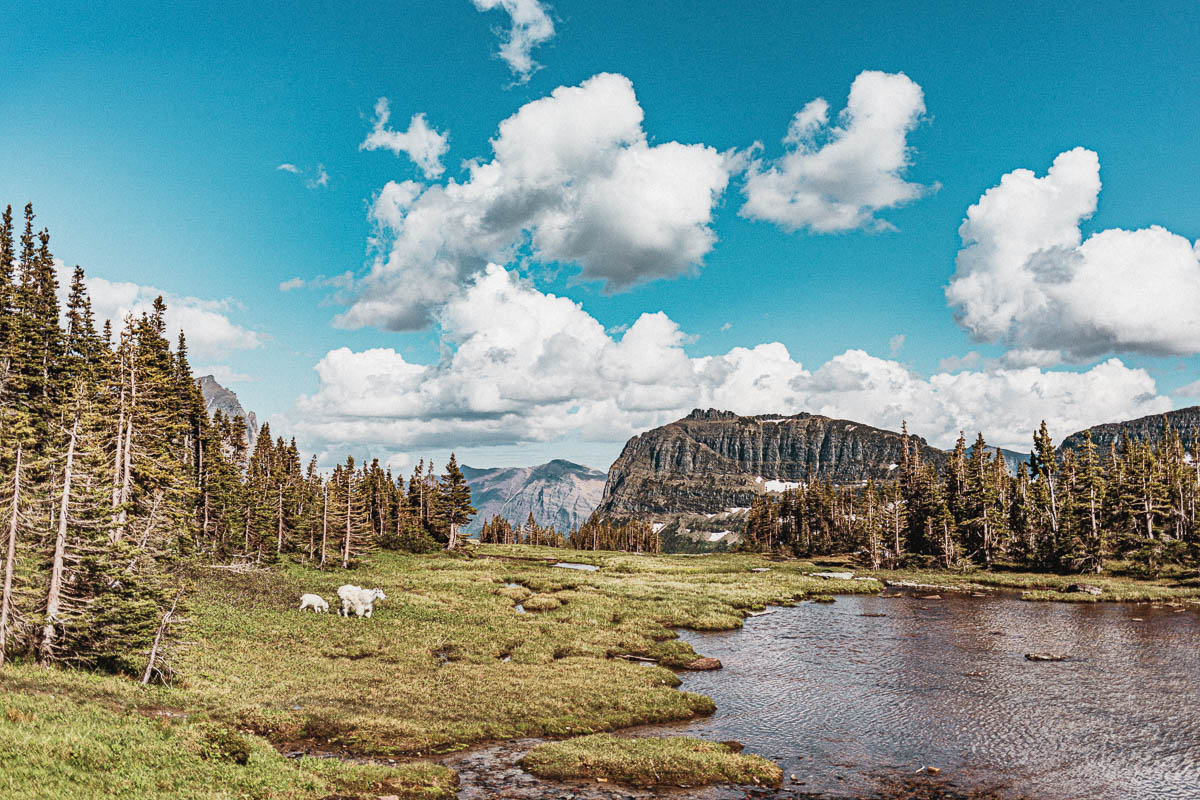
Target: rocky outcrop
{"type": "Point", "coordinates": [712, 461]}
{"type": "Point", "coordinates": [218, 398]}
{"type": "Point", "coordinates": [1144, 429]}
{"type": "Point", "coordinates": [558, 493]}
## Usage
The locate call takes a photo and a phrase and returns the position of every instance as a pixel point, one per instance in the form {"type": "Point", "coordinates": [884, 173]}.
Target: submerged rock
{"type": "Point", "coordinates": [704, 663]}
{"type": "Point", "coordinates": [1046, 657]}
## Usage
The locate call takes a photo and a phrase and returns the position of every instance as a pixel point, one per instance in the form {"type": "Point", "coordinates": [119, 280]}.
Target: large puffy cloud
{"type": "Point", "coordinates": [206, 323]}
{"type": "Point", "coordinates": [1027, 277]}
{"type": "Point", "coordinates": [531, 26]}
{"type": "Point", "coordinates": [834, 177]}
{"type": "Point", "coordinates": [424, 145]}
{"type": "Point", "coordinates": [573, 179]}
{"type": "Point", "coordinates": [522, 366]}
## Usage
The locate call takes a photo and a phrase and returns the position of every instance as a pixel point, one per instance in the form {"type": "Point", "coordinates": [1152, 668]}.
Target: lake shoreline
{"type": "Point", "coordinates": [448, 663]}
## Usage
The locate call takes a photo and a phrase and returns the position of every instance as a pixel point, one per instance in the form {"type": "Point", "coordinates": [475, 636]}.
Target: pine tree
{"type": "Point", "coordinates": [454, 508]}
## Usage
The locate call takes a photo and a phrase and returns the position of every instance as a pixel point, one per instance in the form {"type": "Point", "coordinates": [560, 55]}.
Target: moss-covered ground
{"type": "Point", "coordinates": [670, 761]}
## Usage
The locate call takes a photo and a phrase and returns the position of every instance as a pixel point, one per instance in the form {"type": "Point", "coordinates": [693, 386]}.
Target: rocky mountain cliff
{"type": "Point", "coordinates": [218, 398]}
{"type": "Point", "coordinates": [712, 461]}
{"type": "Point", "coordinates": [1146, 429]}
{"type": "Point", "coordinates": [558, 493]}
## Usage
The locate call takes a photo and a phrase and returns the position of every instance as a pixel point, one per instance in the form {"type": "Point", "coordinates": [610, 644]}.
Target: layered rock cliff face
{"type": "Point", "coordinates": [218, 398]}
{"type": "Point", "coordinates": [712, 461]}
{"type": "Point", "coordinates": [1145, 429]}
{"type": "Point", "coordinates": [558, 493]}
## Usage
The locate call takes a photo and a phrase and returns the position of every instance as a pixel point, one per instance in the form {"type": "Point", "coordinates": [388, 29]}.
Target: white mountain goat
{"type": "Point", "coordinates": [360, 601]}
{"type": "Point", "coordinates": [313, 601]}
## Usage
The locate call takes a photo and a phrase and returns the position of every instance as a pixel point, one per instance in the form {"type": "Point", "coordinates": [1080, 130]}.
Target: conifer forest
{"type": "Point", "coordinates": [118, 486]}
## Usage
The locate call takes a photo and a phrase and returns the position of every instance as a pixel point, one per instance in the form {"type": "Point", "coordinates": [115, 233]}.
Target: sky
{"type": "Point", "coordinates": [525, 229]}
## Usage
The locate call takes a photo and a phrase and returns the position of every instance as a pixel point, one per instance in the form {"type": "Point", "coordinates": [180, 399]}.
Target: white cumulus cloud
{"type": "Point", "coordinates": [531, 26]}
{"type": "Point", "coordinates": [424, 145]}
{"type": "Point", "coordinates": [523, 366]}
{"type": "Point", "coordinates": [206, 324]}
{"type": "Point", "coordinates": [1028, 278]}
{"type": "Point", "coordinates": [834, 176]}
{"type": "Point", "coordinates": [572, 179]}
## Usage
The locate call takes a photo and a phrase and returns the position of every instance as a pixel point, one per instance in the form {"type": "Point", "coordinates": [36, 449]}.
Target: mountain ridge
{"type": "Point", "coordinates": [559, 493]}
{"type": "Point", "coordinates": [218, 398]}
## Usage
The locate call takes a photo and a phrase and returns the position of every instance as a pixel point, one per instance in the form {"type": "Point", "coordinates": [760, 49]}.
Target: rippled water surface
{"type": "Point", "coordinates": [838, 697]}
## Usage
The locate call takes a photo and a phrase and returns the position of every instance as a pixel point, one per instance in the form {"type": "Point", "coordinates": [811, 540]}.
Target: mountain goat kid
{"type": "Point", "coordinates": [315, 602]}
{"type": "Point", "coordinates": [360, 601]}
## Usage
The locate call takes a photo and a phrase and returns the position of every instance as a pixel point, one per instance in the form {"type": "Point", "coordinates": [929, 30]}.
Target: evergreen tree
{"type": "Point", "coordinates": [454, 508]}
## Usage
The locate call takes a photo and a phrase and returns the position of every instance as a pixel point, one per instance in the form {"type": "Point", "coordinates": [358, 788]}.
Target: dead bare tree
{"type": "Point", "coordinates": [10, 561]}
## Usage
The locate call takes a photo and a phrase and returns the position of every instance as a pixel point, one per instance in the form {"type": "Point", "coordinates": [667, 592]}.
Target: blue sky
{"type": "Point", "coordinates": [150, 140]}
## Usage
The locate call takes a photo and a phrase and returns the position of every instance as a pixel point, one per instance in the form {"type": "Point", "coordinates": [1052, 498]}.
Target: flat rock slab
{"type": "Point", "coordinates": [836, 576]}
{"type": "Point", "coordinates": [1046, 657]}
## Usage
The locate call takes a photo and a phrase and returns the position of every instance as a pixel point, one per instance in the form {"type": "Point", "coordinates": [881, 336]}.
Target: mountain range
{"type": "Point", "coordinates": [558, 493]}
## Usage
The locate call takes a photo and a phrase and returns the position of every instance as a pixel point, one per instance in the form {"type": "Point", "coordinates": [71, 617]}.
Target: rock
{"type": "Point", "coordinates": [1046, 657]}
{"type": "Point", "coordinates": [704, 663]}
{"type": "Point", "coordinates": [734, 745]}
{"type": "Point", "coordinates": [713, 461]}
{"type": "Point", "coordinates": [1085, 588]}
{"type": "Point", "coordinates": [833, 576]}
{"type": "Point", "coordinates": [218, 398]}
{"type": "Point", "coordinates": [389, 797]}
{"type": "Point", "coordinates": [760, 569]}
{"type": "Point", "coordinates": [932, 770]}
{"type": "Point", "coordinates": [931, 597]}
{"type": "Point", "coordinates": [1148, 429]}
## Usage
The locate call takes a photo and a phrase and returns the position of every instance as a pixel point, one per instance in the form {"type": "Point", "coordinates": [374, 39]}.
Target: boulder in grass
{"type": "Point", "coordinates": [1085, 588]}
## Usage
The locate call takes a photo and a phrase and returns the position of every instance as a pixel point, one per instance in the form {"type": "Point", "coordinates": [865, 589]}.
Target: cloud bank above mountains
{"type": "Point", "coordinates": [521, 365]}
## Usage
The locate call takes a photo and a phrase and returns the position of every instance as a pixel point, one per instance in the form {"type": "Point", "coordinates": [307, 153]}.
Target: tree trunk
{"type": "Point", "coordinates": [453, 543]}
{"type": "Point", "coordinates": [127, 466]}
{"type": "Point", "coordinates": [162, 628]}
{"type": "Point", "coordinates": [10, 561]}
{"type": "Point", "coordinates": [54, 594]}
{"type": "Point", "coordinates": [324, 519]}
{"type": "Point", "coordinates": [346, 541]}
{"type": "Point", "coordinates": [118, 458]}
{"type": "Point", "coordinates": [279, 523]}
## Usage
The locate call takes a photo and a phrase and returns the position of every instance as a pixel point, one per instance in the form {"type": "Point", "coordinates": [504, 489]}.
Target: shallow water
{"type": "Point", "coordinates": [839, 698]}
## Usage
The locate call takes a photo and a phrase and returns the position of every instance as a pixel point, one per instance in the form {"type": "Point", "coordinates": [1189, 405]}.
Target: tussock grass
{"type": "Point", "coordinates": [676, 760]}
{"type": "Point", "coordinates": [52, 747]}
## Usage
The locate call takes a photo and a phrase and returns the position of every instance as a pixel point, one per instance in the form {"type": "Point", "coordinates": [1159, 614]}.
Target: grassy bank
{"type": "Point", "coordinates": [1176, 586]}
{"type": "Point", "coordinates": [1120, 582]}
{"type": "Point", "coordinates": [673, 761]}
{"type": "Point", "coordinates": [446, 662]}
